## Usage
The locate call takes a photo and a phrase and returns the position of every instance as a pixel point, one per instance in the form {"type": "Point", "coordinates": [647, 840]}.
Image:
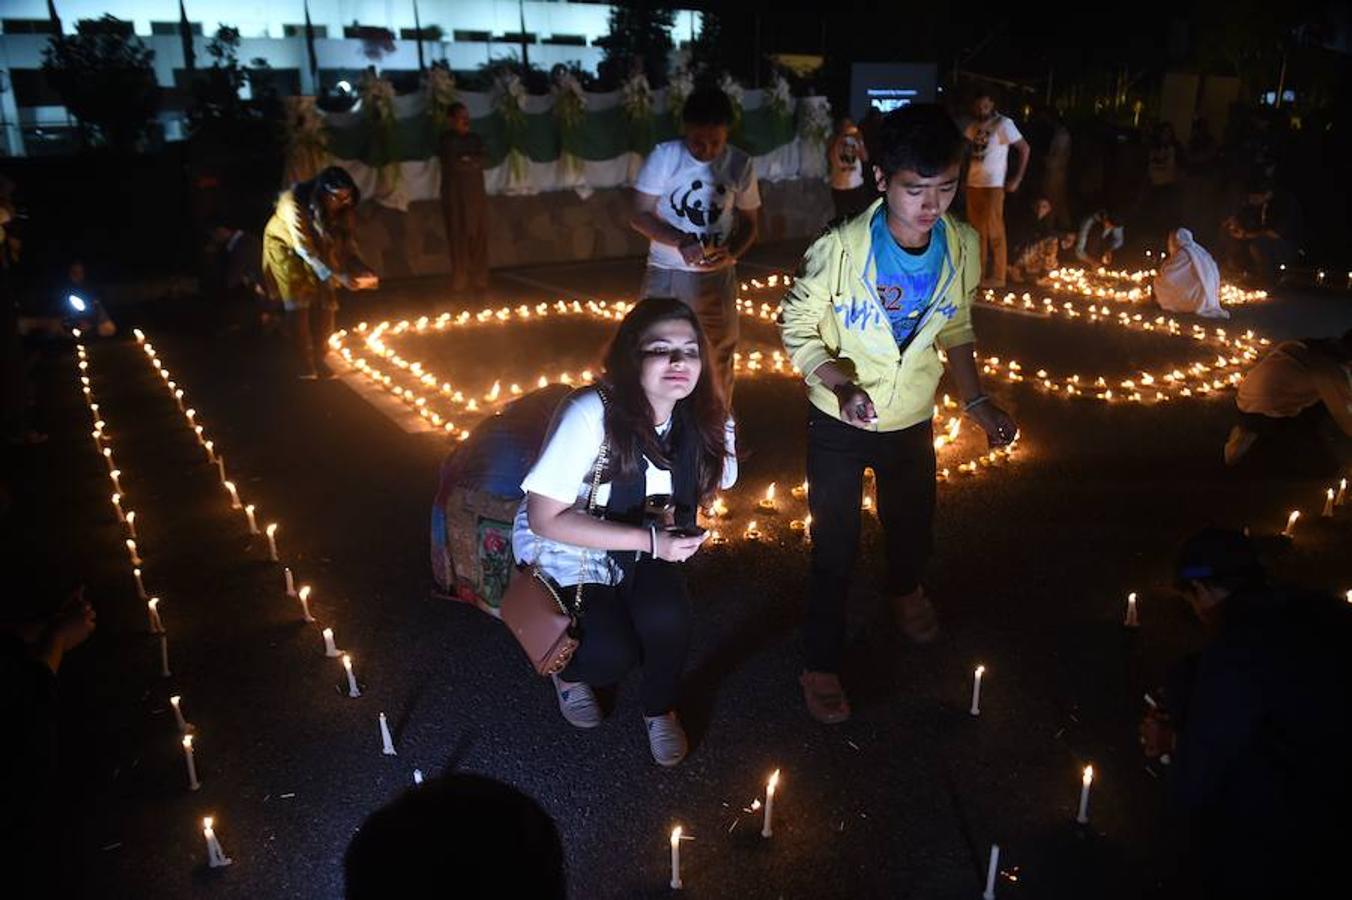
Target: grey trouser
{"type": "Point", "coordinates": [713, 297]}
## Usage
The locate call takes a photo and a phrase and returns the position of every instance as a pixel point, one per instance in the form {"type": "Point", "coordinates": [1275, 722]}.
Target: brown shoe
{"type": "Point", "coordinates": [916, 617]}
{"type": "Point", "coordinates": [825, 697]}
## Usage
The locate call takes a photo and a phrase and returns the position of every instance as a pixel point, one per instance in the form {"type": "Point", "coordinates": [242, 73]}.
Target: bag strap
{"type": "Point", "coordinates": [598, 468]}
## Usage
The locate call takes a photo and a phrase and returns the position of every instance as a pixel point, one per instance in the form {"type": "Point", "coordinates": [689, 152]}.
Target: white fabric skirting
{"type": "Point", "coordinates": [421, 179]}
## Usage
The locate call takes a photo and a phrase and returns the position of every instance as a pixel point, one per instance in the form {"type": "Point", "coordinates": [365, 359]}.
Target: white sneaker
{"type": "Point", "coordinates": [578, 703]}
{"type": "Point", "coordinates": [666, 739]}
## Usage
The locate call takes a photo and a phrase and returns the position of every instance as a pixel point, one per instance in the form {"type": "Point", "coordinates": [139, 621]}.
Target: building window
{"type": "Point", "coordinates": [515, 37]}
{"type": "Point", "coordinates": [321, 31]}
{"type": "Point", "coordinates": [172, 28]}
{"type": "Point", "coordinates": [28, 26]}
{"type": "Point", "coordinates": [428, 33]}
{"type": "Point", "coordinates": [471, 37]}
{"type": "Point", "coordinates": [31, 88]}
{"type": "Point", "coordinates": [568, 40]}
{"type": "Point", "coordinates": [106, 26]}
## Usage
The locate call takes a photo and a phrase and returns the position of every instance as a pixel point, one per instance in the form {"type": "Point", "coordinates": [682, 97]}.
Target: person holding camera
{"type": "Point", "coordinates": [653, 432]}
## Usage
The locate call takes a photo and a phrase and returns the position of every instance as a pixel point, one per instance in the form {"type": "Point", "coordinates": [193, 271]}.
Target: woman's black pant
{"type": "Point", "coordinates": [903, 465]}
{"type": "Point", "coordinates": [644, 620]}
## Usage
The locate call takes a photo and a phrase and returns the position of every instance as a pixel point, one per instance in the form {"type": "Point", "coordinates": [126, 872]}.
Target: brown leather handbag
{"type": "Point", "coordinates": [534, 609]}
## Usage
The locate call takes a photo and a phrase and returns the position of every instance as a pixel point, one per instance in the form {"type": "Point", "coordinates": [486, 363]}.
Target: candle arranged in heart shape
{"type": "Point", "coordinates": [215, 855]}
{"type": "Point", "coordinates": [271, 532]}
{"type": "Point", "coordinates": [676, 883]}
{"type": "Point", "coordinates": [193, 783]}
{"type": "Point", "coordinates": [976, 690]}
{"type": "Point", "coordinates": [1130, 619]}
{"type": "Point", "coordinates": [767, 826]}
{"type": "Point", "coordinates": [767, 503]}
{"type": "Point", "coordinates": [153, 609]}
{"type": "Point", "coordinates": [1082, 815]}
{"type": "Point", "coordinates": [1289, 530]}
{"type": "Point", "coordinates": [234, 495]}
{"type": "Point", "coordinates": [352, 689]}
{"type": "Point", "coordinates": [253, 523]}
{"type": "Point", "coordinates": [386, 741]}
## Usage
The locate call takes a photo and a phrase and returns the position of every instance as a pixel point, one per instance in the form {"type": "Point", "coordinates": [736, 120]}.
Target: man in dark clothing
{"type": "Point", "coordinates": [1258, 724]}
{"type": "Point", "coordinates": [1264, 234]}
{"type": "Point", "coordinates": [463, 202]}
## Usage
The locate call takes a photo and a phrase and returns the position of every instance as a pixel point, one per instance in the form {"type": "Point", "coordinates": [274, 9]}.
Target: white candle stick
{"type": "Point", "coordinates": [1082, 816]}
{"type": "Point", "coordinates": [193, 783]}
{"type": "Point", "coordinates": [131, 522]}
{"type": "Point", "coordinates": [210, 447]}
{"type": "Point", "coordinates": [767, 503]}
{"type": "Point", "coordinates": [330, 647]}
{"type": "Point", "coordinates": [164, 655]}
{"type": "Point", "coordinates": [175, 703]}
{"type": "Point", "coordinates": [767, 826]}
{"type": "Point", "coordinates": [140, 585]}
{"type": "Point", "coordinates": [290, 582]}
{"type": "Point", "coordinates": [304, 597]}
{"type": "Point", "coordinates": [135, 557]}
{"type": "Point", "coordinates": [220, 469]}
{"type": "Point", "coordinates": [1328, 503]}
{"type": "Point", "coordinates": [271, 532]}
{"type": "Point", "coordinates": [976, 690]}
{"type": "Point", "coordinates": [191, 415]}
{"type": "Point", "coordinates": [234, 495]}
{"type": "Point", "coordinates": [1341, 497]}
{"type": "Point", "coordinates": [108, 458]}
{"type": "Point", "coordinates": [1130, 620]}
{"type": "Point", "coordinates": [253, 523]}
{"type": "Point", "coordinates": [178, 398]}
{"type": "Point", "coordinates": [417, 776]}
{"type": "Point", "coordinates": [215, 855]}
{"type": "Point", "coordinates": [201, 435]}
{"type": "Point", "coordinates": [153, 611]}
{"type": "Point", "coordinates": [1289, 530]}
{"type": "Point", "coordinates": [116, 475]}
{"type": "Point", "coordinates": [992, 870]}
{"type": "Point", "coordinates": [352, 689]}
{"type": "Point", "coordinates": [386, 742]}
{"type": "Point", "coordinates": [117, 506]}
{"type": "Point", "coordinates": [676, 883]}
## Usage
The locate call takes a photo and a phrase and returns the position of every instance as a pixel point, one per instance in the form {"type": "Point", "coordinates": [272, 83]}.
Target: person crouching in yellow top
{"type": "Point", "coordinates": [875, 299]}
{"type": "Point", "coordinates": [309, 250]}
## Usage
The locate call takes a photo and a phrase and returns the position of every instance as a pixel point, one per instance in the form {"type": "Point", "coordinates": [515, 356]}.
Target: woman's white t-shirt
{"type": "Point", "coordinates": [563, 473]}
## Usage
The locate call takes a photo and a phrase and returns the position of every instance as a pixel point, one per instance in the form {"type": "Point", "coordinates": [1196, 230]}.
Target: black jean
{"type": "Point", "coordinates": [644, 620]}
{"type": "Point", "coordinates": [903, 465]}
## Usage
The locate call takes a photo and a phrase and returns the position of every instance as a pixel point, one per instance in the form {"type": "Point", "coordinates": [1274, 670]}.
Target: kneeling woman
{"type": "Point", "coordinates": [660, 426]}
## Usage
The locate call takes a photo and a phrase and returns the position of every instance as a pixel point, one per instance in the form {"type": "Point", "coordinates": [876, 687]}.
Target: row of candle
{"type": "Point", "coordinates": [301, 594]}
{"type": "Point", "coordinates": [1101, 284]}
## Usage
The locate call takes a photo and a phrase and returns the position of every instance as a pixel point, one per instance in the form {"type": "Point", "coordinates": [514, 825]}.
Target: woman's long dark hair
{"type": "Point", "coordinates": [629, 415]}
{"type": "Point", "coordinates": [334, 235]}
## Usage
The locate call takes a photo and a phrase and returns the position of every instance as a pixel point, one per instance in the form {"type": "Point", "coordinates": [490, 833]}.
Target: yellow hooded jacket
{"type": "Point", "coordinates": [832, 313]}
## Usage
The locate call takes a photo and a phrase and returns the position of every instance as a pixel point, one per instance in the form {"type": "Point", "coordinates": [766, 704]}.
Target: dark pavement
{"type": "Point", "coordinates": [1032, 564]}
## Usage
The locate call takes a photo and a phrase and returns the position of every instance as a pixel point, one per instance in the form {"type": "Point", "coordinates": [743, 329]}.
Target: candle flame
{"type": "Point", "coordinates": [347, 662]}
{"type": "Point", "coordinates": [175, 699]}
{"type": "Point", "coordinates": [206, 824]}
{"type": "Point", "coordinates": [271, 529]}
{"type": "Point", "coordinates": [980, 670]}
{"type": "Point", "coordinates": [153, 602]}
{"type": "Point", "coordinates": [675, 835]}
{"type": "Point", "coordinates": [304, 594]}
{"type": "Point", "coordinates": [328, 633]}
{"type": "Point", "coordinates": [770, 492]}
{"type": "Point", "coordinates": [1088, 774]}
{"type": "Point", "coordinates": [187, 742]}
{"type": "Point", "coordinates": [772, 783]}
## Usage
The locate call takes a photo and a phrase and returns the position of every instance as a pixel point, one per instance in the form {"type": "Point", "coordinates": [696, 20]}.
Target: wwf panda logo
{"type": "Point", "coordinates": [701, 207]}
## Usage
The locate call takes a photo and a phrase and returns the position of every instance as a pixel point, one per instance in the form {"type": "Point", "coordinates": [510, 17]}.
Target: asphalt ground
{"type": "Point", "coordinates": [1033, 560]}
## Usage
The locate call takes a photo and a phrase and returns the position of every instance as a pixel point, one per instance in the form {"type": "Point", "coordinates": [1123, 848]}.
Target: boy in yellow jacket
{"type": "Point", "coordinates": [876, 297]}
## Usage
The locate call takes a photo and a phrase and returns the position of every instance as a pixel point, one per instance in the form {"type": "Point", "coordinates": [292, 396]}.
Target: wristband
{"type": "Point", "coordinates": [652, 532]}
{"type": "Point", "coordinates": [976, 401]}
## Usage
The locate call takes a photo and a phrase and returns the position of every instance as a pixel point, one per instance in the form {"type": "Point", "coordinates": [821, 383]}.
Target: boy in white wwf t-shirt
{"type": "Point", "coordinates": [697, 201]}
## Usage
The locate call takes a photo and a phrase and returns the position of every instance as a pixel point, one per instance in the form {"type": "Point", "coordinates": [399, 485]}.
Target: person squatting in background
{"type": "Point", "coordinates": [310, 250]}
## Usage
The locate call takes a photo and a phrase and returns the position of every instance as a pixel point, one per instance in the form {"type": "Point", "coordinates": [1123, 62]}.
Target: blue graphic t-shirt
{"type": "Point", "coordinates": [905, 281]}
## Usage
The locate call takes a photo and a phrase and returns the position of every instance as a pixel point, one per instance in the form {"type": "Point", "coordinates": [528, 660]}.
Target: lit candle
{"type": "Point", "coordinates": [1289, 530]}
{"type": "Point", "coordinates": [1341, 498]}
{"type": "Point", "coordinates": [676, 883]}
{"type": "Point", "coordinates": [201, 435]}
{"type": "Point", "coordinates": [131, 548]}
{"type": "Point", "coordinates": [108, 458]}
{"type": "Point", "coordinates": [234, 495]}
{"type": "Point", "coordinates": [191, 415]}
{"type": "Point", "coordinates": [220, 470]}
{"type": "Point", "coordinates": [116, 474]}
{"type": "Point", "coordinates": [178, 398]}
{"type": "Point", "coordinates": [976, 690]}
{"type": "Point", "coordinates": [271, 532]}
{"type": "Point", "coordinates": [352, 689]}
{"type": "Point", "coordinates": [193, 783]}
{"type": "Point", "coordinates": [767, 827]}
{"type": "Point", "coordinates": [304, 597]}
{"type": "Point", "coordinates": [253, 523]}
{"type": "Point", "coordinates": [1328, 503]}
{"type": "Point", "coordinates": [117, 506]}
{"type": "Point", "coordinates": [330, 647]}
{"type": "Point", "coordinates": [719, 509]}
{"type": "Point", "coordinates": [290, 582]}
{"type": "Point", "coordinates": [1082, 816]}
{"type": "Point", "coordinates": [140, 585]}
{"type": "Point", "coordinates": [153, 612]}
{"type": "Point", "coordinates": [164, 655]}
{"type": "Point", "coordinates": [131, 521]}
{"type": "Point", "coordinates": [175, 702]}
{"type": "Point", "coordinates": [799, 492]}
{"type": "Point", "coordinates": [215, 855]}
{"type": "Point", "coordinates": [1130, 621]}
{"type": "Point", "coordinates": [767, 504]}
{"type": "Point", "coordinates": [211, 450]}
{"type": "Point", "coordinates": [752, 533]}
{"type": "Point", "coordinates": [386, 742]}
{"type": "Point", "coordinates": [991, 871]}
{"type": "Point", "coordinates": [716, 538]}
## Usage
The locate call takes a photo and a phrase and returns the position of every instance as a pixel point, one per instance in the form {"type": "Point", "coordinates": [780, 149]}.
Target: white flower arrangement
{"type": "Point", "coordinates": [570, 100]}
{"type": "Point", "coordinates": [636, 97]}
{"type": "Point", "coordinates": [728, 85]}
{"type": "Point", "coordinates": [815, 123]}
{"type": "Point", "coordinates": [679, 87]}
{"type": "Point", "coordinates": [377, 97]}
{"type": "Point", "coordinates": [780, 97]}
{"type": "Point", "coordinates": [509, 98]}
{"type": "Point", "coordinates": [440, 90]}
